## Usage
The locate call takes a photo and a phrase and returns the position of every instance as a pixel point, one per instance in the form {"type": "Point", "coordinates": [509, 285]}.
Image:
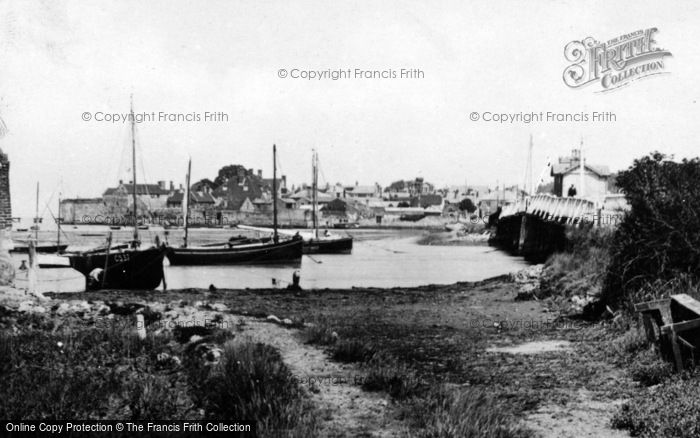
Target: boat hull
{"type": "Point", "coordinates": [283, 252]}
{"type": "Point", "coordinates": [128, 269]}
{"type": "Point", "coordinates": [23, 249]}
{"type": "Point", "coordinates": [342, 245]}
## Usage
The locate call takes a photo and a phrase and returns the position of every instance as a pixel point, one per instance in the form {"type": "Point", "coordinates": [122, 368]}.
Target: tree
{"type": "Point", "coordinates": [227, 172]}
{"type": "Point", "coordinates": [467, 205]}
{"type": "Point", "coordinates": [202, 183]}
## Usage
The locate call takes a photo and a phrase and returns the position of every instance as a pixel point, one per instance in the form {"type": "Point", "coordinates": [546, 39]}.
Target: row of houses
{"type": "Point", "coordinates": [246, 192]}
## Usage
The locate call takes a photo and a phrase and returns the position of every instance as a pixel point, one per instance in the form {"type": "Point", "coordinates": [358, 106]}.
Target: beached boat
{"type": "Point", "coordinates": [289, 251]}
{"type": "Point", "coordinates": [126, 266]}
{"type": "Point", "coordinates": [48, 248]}
{"type": "Point", "coordinates": [237, 250]}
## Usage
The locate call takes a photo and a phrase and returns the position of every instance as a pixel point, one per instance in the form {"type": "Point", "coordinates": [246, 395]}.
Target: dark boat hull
{"type": "Point", "coordinates": [129, 269]}
{"type": "Point", "coordinates": [345, 225]}
{"type": "Point", "coordinates": [341, 245]}
{"type": "Point", "coordinates": [283, 252]}
{"type": "Point", "coordinates": [22, 249]}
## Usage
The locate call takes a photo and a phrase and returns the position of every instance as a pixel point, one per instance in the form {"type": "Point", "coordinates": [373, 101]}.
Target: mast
{"type": "Point", "coordinates": [58, 224]}
{"type": "Point", "coordinates": [133, 168]}
{"type": "Point", "coordinates": [314, 194]}
{"type": "Point", "coordinates": [582, 171]}
{"type": "Point", "coordinates": [275, 237]}
{"type": "Point", "coordinates": [36, 215]}
{"type": "Point", "coordinates": [186, 199]}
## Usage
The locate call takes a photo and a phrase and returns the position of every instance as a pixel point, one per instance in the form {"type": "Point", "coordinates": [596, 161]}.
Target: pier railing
{"type": "Point", "coordinates": [569, 210]}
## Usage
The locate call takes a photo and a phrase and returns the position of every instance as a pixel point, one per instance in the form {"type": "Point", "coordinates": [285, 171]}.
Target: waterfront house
{"type": "Point", "coordinates": [567, 172]}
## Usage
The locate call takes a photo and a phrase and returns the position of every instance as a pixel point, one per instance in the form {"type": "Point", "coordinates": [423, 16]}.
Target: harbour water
{"type": "Point", "coordinates": [384, 258]}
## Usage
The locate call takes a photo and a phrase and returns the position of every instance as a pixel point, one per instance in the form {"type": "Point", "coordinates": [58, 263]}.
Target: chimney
{"type": "Point", "coordinates": [161, 185]}
{"type": "Point", "coordinates": [284, 181]}
{"type": "Point", "coordinates": [121, 182]}
{"type": "Point", "coordinates": [260, 173]}
{"type": "Point", "coordinates": [181, 187]}
{"type": "Point", "coordinates": [172, 186]}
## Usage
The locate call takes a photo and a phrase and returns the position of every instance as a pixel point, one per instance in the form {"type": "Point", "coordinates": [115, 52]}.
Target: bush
{"type": "Point", "coordinates": [671, 410]}
{"type": "Point", "coordinates": [658, 239]}
{"type": "Point", "coordinates": [580, 269]}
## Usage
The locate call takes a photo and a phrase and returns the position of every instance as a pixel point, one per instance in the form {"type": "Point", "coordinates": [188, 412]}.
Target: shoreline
{"type": "Point", "coordinates": [390, 354]}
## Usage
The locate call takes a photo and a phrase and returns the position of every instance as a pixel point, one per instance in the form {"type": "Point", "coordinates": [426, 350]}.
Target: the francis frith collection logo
{"type": "Point", "coordinates": [614, 63]}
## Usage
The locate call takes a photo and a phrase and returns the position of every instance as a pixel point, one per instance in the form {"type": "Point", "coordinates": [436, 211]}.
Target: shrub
{"type": "Point", "coordinates": [658, 238]}
{"type": "Point", "coordinates": [649, 369]}
{"type": "Point", "coordinates": [671, 410]}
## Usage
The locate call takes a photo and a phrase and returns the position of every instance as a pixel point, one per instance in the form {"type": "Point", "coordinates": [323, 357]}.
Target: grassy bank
{"type": "Point", "coordinates": [73, 367]}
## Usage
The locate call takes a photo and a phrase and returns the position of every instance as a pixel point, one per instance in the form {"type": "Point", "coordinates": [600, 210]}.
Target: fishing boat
{"type": "Point", "coordinates": [46, 248]}
{"type": "Point", "coordinates": [327, 243]}
{"type": "Point", "coordinates": [238, 250]}
{"type": "Point", "coordinates": [126, 266]}
{"type": "Point", "coordinates": [315, 242]}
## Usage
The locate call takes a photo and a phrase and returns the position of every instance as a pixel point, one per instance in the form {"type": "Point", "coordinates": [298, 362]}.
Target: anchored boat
{"type": "Point", "coordinates": [238, 251]}
{"type": "Point", "coordinates": [125, 266]}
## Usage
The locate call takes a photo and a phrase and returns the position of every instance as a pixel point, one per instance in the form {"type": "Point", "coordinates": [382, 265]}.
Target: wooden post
{"type": "Point", "coordinates": [109, 246]}
{"type": "Point", "coordinates": [31, 273]}
{"type": "Point", "coordinates": [140, 326]}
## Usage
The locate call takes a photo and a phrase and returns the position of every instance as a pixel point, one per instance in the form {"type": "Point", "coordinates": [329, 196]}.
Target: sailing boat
{"type": "Point", "coordinates": [328, 243]}
{"type": "Point", "coordinates": [315, 243]}
{"type": "Point", "coordinates": [235, 252]}
{"type": "Point", "coordinates": [126, 266]}
{"type": "Point", "coordinates": [23, 247]}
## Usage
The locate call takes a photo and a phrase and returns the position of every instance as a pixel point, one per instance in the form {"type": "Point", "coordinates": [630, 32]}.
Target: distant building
{"type": "Point", "coordinates": [82, 210]}
{"type": "Point", "coordinates": [567, 172]}
{"type": "Point", "coordinates": [149, 197]}
{"type": "Point", "coordinates": [197, 200]}
{"type": "Point", "coordinates": [246, 185]}
{"type": "Point", "coordinates": [363, 192]}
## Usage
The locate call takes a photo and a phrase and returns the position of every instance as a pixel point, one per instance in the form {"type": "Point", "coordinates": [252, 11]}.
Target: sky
{"type": "Point", "coordinates": [62, 59]}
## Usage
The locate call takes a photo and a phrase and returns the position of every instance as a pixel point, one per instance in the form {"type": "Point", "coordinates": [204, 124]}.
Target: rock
{"type": "Point", "coordinates": [219, 307]}
{"type": "Point", "coordinates": [287, 321]}
{"type": "Point", "coordinates": [273, 318]}
{"type": "Point", "coordinates": [101, 309]}
{"type": "Point", "coordinates": [579, 303]}
{"type": "Point", "coordinates": [80, 307]}
{"type": "Point", "coordinates": [213, 355]}
{"type": "Point", "coordinates": [30, 307]}
{"type": "Point", "coordinates": [165, 360]}
{"type": "Point", "coordinates": [63, 309]}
